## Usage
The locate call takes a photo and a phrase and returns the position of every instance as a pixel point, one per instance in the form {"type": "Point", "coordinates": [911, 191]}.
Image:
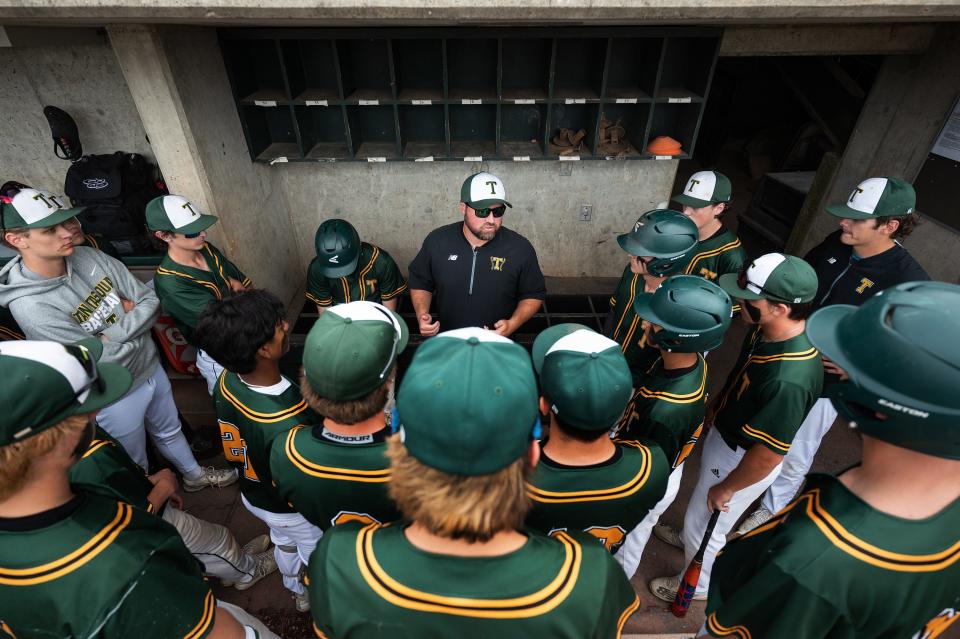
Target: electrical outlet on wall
{"type": "Point", "coordinates": [586, 212]}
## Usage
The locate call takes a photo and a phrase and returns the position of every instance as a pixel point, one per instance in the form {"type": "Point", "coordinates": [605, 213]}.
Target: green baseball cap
{"type": "Point", "coordinates": [705, 188]}
{"type": "Point", "coordinates": [46, 382]}
{"type": "Point", "coordinates": [774, 276]}
{"type": "Point", "coordinates": [482, 190]}
{"type": "Point", "coordinates": [33, 209]}
{"type": "Point", "coordinates": [546, 339]}
{"type": "Point", "coordinates": [468, 403]}
{"type": "Point", "coordinates": [877, 197]}
{"type": "Point", "coordinates": [351, 350]}
{"type": "Point", "coordinates": [584, 376]}
{"type": "Point", "coordinates": [176, 214]}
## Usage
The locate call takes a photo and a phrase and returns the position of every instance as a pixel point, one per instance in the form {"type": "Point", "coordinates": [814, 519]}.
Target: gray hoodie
{"type": "Point", "coordinates": [86, 301]}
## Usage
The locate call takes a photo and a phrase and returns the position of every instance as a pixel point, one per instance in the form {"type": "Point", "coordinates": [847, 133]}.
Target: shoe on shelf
{"type": "Point", "coordinates": [668, 535]}
{"type": "Point", "coordinates": [218, 477]}
{"type": "Point", "coordinates": [263, 566]}
{"type": "Point", "coordinates": [665, 588]}
{"type": "Point", "coordinates": [302, 601]}
{"type": "Point", "coordinates": [255, 546]}
{"type": "Point", "coordinates": [759, 517]}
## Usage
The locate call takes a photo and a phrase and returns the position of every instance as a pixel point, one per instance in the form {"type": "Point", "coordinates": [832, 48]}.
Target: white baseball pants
{"type": "Point", "coordinates": [294, 539]}
{"type": "Point", "coordinates": [632, 549]}
{"type": "Point", "coordinates": [797, 461]}
{"type": "Point", "coordinates": [209, 369]}
{"type": "Point", "coordinates": [150, 405]}
{"type": "Point", "coordinates": [716, 462]}
{"type": "Point", "coordinates": [212, 544]}
{"type": "Point", "coordinates": [253, 628]}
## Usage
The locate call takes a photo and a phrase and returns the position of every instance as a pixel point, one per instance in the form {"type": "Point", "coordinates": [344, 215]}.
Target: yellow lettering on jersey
{"type": "Point", "coordinates": [235, 449]}
{"type": "Point", "coordinates": [687, 447]}
{"type": "Point", "coordinates": [496, 263]}
{"type": "Point", "coordinates": [344, 516]}
{"type": "Point", "coordinates": [744, 385]}
{"type": "Point", "coordinates": [938, 625]}
{"type": "Point", "coordinates": [707, 274]}
{"type": "Point", "coordinates": [864, 285]}
{"type": "Point", "coordinates": [610, 536]}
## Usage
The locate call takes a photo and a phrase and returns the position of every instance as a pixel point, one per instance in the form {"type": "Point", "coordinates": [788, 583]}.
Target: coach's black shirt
{"type": "Point", "coordinates": [843, 278]}
{"type": "Point", "coordinates": [476, 286]}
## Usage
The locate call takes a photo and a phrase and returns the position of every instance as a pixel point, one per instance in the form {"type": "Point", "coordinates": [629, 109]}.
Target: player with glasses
{"type": "Point", "coordinates": [194, 271]}
{"type": "Point", "coordinates": [480, 272]}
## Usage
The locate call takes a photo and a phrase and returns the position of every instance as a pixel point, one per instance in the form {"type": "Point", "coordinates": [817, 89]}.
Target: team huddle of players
{"type": "Point", "coordinates": [492, 491]}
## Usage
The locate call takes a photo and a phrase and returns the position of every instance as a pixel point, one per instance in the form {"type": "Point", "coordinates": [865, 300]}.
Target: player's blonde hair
{"type": "Point", "coordinates": [350, 412]}
{"type": "Point", "coordinates": [458, 507]}
{"type": "Point", "coordinates": [16, 459]}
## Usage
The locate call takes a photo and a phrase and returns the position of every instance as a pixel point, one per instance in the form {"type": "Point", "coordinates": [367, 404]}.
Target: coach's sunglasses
{"type": "Point", "coordinates": [497, 211]}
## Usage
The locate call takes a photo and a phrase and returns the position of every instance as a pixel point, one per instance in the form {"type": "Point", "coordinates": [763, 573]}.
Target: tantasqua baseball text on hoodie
{"type": "Point", "coordinates": [87, 301]}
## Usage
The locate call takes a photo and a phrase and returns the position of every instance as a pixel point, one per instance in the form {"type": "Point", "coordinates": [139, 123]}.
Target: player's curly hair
{"type": "Point", "coordinates": [233, 329]}
{"type": "Point", "coordinates": [16, 459]}
{"type": "Point", "coordinates": [458, 507]}
{"type": "Point", "coordinates": [905, 228]}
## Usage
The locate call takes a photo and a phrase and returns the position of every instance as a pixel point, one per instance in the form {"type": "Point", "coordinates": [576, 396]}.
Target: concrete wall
{"type": "Point", "coordinates": [84, 80]}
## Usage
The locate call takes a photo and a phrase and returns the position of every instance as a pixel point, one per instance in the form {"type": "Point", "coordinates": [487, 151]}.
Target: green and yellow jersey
{"type": "Point", "coordinates": [184, 291]}
{"type": "Point", "coordinates": [369, 581]}
{"type": "Point", "coordinates": [770, 392]}
{"type": "Point", "coordinates": [377, 279]}
{"type": "Point", "coordinates": [829, 565]}
{"type": "Point", "coordinates": [9, 329]}
{"type": "Point", "coordinates": [717, 255]}
{"type": "Point", "coordinates": [96, 567]}
{"type": "Point", "coordinates": [106, 469]}
{"type": "Point", "coordinates": [668, 407]}
{"type": "Point", "coordinates": [628, 329]}
{"type": "Point", "coordinates": [606, 500]}
{"type": "Point", "coordinates": [331, 479]}
{"type": "Point", "coordinates": [250, 419]}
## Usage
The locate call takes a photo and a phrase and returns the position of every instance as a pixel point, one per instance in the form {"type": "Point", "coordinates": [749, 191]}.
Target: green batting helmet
{"type": "Point", "coordinates": [667, 236]}
{"type": "Point", "coordinates": [693, 313]}
{"type": "Point", "coordinates": [338, 248]}
{"type": "Point", "coordinates": [902, 353]}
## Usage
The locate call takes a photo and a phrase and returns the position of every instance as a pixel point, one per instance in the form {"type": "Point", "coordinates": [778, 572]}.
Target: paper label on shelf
{"type": "Point", "coordinates": [521, 158]}
{"type": "Point", "coordinates": [663, 157]}
{"type": "Point", "coordinates": [525, 101]}
{"type": "Point", "coordinates": [466, 101]}
{"type": "Point", "coordinates": [626, 100]}
{"type": "Point", "coordinates": [429, 158]}
{"type": "Point", "coordinates": [575, 101]}
{"type": "Point", "coordinates": [569, 158]}
{"type": "Point", "coordinates": [368, 102]}
{"type": "Point", "coordinates": [265, 103]}
{"type": "Point", "coordinates": [473, 158]}
{"type": "Point", "coordinates": [679, 100]}
{"type": "Point", "coordinates": [317, 103]}
{"type": "Point", "coordinates": [376, 159]}
{"type": "Point", "coordinates": [422, 101]}
{"type": "Point", "coordinates": [281, 158]}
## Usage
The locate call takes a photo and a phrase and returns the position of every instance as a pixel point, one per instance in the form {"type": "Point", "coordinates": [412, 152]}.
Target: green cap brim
{"type": "Point", "coordinates": [624, 241]}
{"type": "Point", "coordinates": [482, 204]}
{"type": "Point", "coordinates": [728, 283]}
{"type": "Point", "coordinates": [116, 382]}
{"type": "Point", "coordinates": [548, 338]}
{"type": "Point", "coordinates": [57, 218]}
{"type": "Point", "coordinates": [200, 224]}
{"type": "Point", "coordinates": [641, 306]}
{"type": "Point", "coordinates": [822, 330]}
{"type": "Point", "coordinates": [845, 212]}
{"type": "Point", "coordinates": [334, 272]}
{"type": "Point", "coordinates": [696, 203]}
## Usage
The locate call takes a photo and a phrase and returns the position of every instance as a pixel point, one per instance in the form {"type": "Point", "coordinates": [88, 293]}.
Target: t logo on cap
{"type": "Point", "coordinates": [493, 187]}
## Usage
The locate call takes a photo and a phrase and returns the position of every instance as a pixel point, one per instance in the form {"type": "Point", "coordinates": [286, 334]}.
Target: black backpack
{"type": "Point", "coordinates": [115, 189]}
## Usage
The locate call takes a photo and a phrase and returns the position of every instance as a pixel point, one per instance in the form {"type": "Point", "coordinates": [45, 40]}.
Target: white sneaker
{"type": "Point", "coordinates": [211, 476]}
{"type": "Point", "coordinates": [255, 546]}
{"type": "Point", "coordinates": [302, 601]}
{"type": "Point", "coordinates": [668, 535]}
{"type": "Point", "coordinates": [665, 588]}
{"type": "Point", "coordinates": [265, 564]}
{"type": "Point", "coordinates": [759, 517]}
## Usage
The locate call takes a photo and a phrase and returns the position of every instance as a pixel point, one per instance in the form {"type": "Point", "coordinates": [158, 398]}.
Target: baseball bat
{"type": "Point", "coordinates": [688, 583]}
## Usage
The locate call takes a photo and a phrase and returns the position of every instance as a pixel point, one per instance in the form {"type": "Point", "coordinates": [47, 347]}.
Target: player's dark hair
{"type": "Point", "coordinates": [22, 232]}
{"type": "Point", "coordinates": [726, 208]}
{"type": "Point", "coordinates": [347, 413]}
{"type": "Point", "coordinates": [233, 329]}
{"type": "Point", "coordinates": [579, 434]}
{"type": "Point", "coordinates": [800, 311]}
{"type": "Point", "coordinates": [905, 228]}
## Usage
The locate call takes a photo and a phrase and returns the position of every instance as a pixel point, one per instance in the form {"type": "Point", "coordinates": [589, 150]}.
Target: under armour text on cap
{"type": "Point", "coordinates": [468, 403]}
{"type": "Point", "coordinates": [775, 277]}
{"type": "Point", "coordinates": [176, 214]}
{"type": "Point", "coordinates": [705, 188]}
{"type": "Point", "coordinates": [338, 248]}
{"type": "Point", "coordinates": [483, 190]}
{"type": "Point", "coordinates": [877, 197]}
{"type": "Point", "coordinates": [585, 378]}
{"type": "Point", "coordinates": [33, 209]}
{"type": "Point", "coordinates": [352, 349]}
{"type": "Point", "coordinates": [46, 382]}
